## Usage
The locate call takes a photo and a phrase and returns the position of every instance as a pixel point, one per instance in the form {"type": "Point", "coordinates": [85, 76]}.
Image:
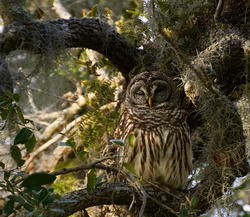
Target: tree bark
{"type": "Point", "coordinates": [158, 202]}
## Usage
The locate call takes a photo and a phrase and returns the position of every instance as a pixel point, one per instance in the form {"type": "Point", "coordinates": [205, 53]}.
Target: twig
{"type": "Point", "coordinates": [144, 194]}
{"type": "Point", "coordinates": [152, 2]}
{"type": "Point", "coordinates": [130, 206]}
{"type": "Point", "coordinates": [92, 165]}
{"type": "Point", "coordinates": [218, 11]}
{"type": "Point", "coordinates": [167, 192]}
{"type": "Point", "coordinates": [164, 206]}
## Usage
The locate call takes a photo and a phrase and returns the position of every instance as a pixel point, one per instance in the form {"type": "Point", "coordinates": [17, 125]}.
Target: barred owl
{"type": "Point", "coordinates": [162, 148]}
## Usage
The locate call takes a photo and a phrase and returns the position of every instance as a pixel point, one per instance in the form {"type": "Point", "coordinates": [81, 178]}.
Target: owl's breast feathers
{"type": "Point", "coordinates": [162, 148]}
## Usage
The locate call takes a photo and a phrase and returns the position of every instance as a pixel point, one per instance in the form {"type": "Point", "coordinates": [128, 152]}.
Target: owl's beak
{"type": "Point", "coordinates": [150, 102]}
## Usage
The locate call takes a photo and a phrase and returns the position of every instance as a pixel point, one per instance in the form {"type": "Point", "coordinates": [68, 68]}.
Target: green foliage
{"type": "Point", "coordinates": [30, 193]}
{"type": "Point", "coordinates": [130, 168]}
{"type": "Point", "coordinates": [103, 92]}
{"type": "Point", "coordinates": [70, 142]}
{"type": "Point", "coordinates": [183, 20]}
{"type": "Point", "coordinates": [93, 181]}
{"type": "Point", "coordinates": [131, 140]}
{"type": "Point", "coordinates": [8, 105]}
{"type": "Point", "coordinates": [64, 184]}
{"type": "Point", "coordinates": [37, 179]}
{"type": "Point", "coordinates": [68, 182]}
{"type": "Point", "coordinates": [16, 155]}
{"type": "Point", "coordinates": [95, 124]}
{"type": "Point", "coordinates": [117, 141]}
{"type": "Point", "coordinates": [184, 212]}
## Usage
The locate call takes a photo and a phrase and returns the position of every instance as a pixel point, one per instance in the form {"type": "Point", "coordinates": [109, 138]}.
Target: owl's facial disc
{"type": "Point", "coordinates": [161, 92]}
{"type": "Point", "coordinates": [139, 94]}
{"type": "Point", "coordinates": [152, 94]}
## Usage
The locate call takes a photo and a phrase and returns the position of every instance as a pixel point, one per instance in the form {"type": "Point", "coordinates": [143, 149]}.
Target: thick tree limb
{"type": "Point", "coordinates": [159, 203]}
{"type": "Point", "coordinates": [59, 34]}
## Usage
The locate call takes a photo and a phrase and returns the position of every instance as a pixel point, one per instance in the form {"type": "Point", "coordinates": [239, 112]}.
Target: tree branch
{"type": "Point", "coordinates": [167, 203]}
{"type": "Point", "coordinates": [54, 35]}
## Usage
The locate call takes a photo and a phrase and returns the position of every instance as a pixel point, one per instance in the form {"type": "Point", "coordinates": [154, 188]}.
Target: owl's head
{"type": "Point", "coordinates": [152, 90]}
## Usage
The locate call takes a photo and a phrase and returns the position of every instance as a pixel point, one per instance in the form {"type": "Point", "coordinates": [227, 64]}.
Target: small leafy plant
{"type": "Point", "coordinates": [30, 193]}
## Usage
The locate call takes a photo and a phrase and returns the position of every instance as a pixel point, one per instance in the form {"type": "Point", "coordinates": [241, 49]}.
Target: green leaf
{"type": "Point", "coordinates": [18, 174]}
{"type": "Point", "coordinates": [28, 207]}
{"type": "Point", "coordinates": [11, 106]}
{"type": "Point", "coordinates": [15, 153]}
{"type": "Point", "coordinates": [31, 143]}
{"type": "Point", "coordinates": [28, 199]}
{"type": "Point", "coordinates": [98, 181]}
{"type": "Point", "coordinates": [130, 168]}
{"type": "Point", "coordinates": [8, 207]}
{"type": "Point", "coordinates": [131, 140]}
{"type": "Point", "coordinates": [2, 103]}
{"type": "Point", "coordinates": [16, 199]}
{"type": "Point", "coordinates": [49, 199]}
{"type": "Point", "coordinates": [21, 163]}
{"type": "Point", "coordinates": [7, 93]}
{"type": "Point", "coordinates": [3, 98]}
{"type": "Point", "coordinates": [194, 201]}
{"type": "Point", "coordinates": [93, 12]}
{"type": "Point", "coordinates": [71, 142]}
{"type": "Point", "coordinates": [67, 201]}
{"type": "Point", "coordinates": [117, 141]}
{"type": "Point", "coordinates": [57, 211]}
{"type": "Point", "coordinates": [6, 175]}
{"type": "Point", "coordinates": [32, 189]}
{"type": "Point", "coordinates": [43, 194]}
{"type": "Point", "coordinates": [16, 97]}
{"type": "Point", "coordinates": [5, 113]}
{"type": "Point", "coordinates": [38, 179]}
{"type": "Point", "coordinates": [184, 212]}
{"type": "Point", "coordinates": [91, 177]}
{"type": "Point", "coordinates": [20, 114]}
{"type": "Point", "coordinates": [2, 165]}
{"type": "Point", "coordinates": [23, 136]}
{"type": "Point", "coordinates": [36, 196]}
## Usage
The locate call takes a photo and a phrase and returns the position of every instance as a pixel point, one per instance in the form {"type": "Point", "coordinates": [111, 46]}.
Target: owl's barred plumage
{"type": "Point", "coordinates": [162, 148]}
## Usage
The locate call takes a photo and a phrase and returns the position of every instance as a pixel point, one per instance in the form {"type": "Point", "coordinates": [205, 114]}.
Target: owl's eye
{"type": "Point", "coordinates": [159, 89]}
{"type": "Point", "coordinates": [140, 92]}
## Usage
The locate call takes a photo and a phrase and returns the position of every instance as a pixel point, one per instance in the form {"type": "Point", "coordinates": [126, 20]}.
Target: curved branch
{"type": "Point", "coordinates": [54, 35]}
{"type": "Point", "coordinates": [123, 194]}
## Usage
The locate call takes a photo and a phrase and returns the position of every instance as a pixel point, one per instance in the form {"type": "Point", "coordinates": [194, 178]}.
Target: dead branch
{"type": "Point", "coordinates": [52, 141]}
